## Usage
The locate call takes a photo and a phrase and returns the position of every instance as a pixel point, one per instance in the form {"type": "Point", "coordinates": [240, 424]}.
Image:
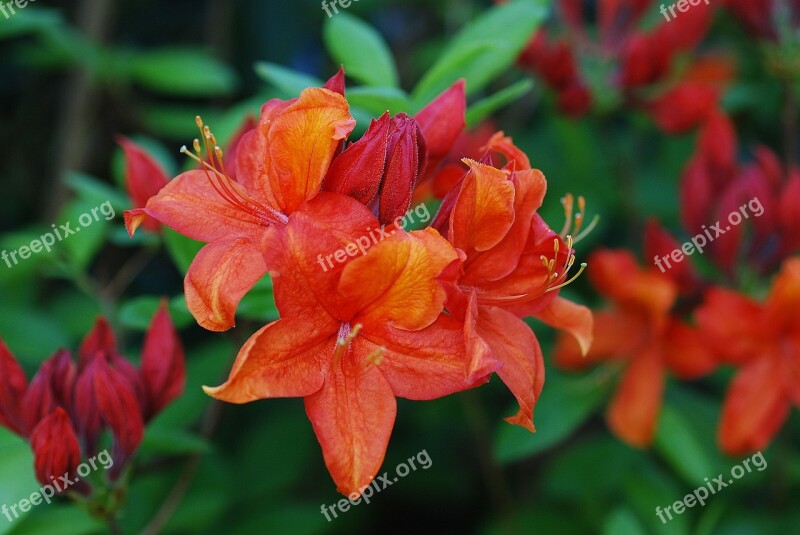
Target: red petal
{"type": "Point", "coordinates": [513, 344]}
{"type": "Point", "coordinates": [100, 339]}
{"type": "Point", "coordinates": [144, 177]}
{"type": "Point", "coordinates": [286, 358]}
{"type": "Point", "coordinates": [220, 275]}
{"type": "Point", "coordinates": [336, 82]}
{"type": "Point", "coordinates": [55, 447]}
{"type": "Point", "coordinates": [687, 352]}
{"type": "Point", "coordinates": [163, 369]}
{"type": "Point", "coordinates": [118, 405]}
{"type": "Point", "coordinates": [443, 120]}
{"type": "Point", "coordinates": [353, 416]}
{"type": "Point", "coordinates": [633, 412]}
{"type": "Point", "coordinates": [754, 407]}
{"type": "Point", "coordinates": [13, 385]}
{"type": "Point", "coordinates": [732, 325]}
{"type": "Point", "coordinates": [50, 388]}
{"type": "Point", "coordinates": [570, 317]}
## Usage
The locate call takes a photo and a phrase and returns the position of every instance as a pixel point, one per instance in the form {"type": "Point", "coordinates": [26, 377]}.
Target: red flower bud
{"type": "Point", "coordinates": [684, 107]}
{"type": "Point", "coordinates": [105, 395]}
{"type": "Point", "coordinates": [51, 387]}
{"type": "Point", "coordinates": [381, 169]}
{"type": "Point", "coordinates": [100, 339]}
{"type": "Point", "coordinates": [163, 366]}
{"type": "Point", "coordinates": [55, 448]}
{"type": "Point", "coordinates": [443, 120]}
{"type": "Point", "coordinates": [144, 177]}
{"type": "Point", "coordinates": [336, 82]}
{"type": "Point", "coordinates": [13, 384]}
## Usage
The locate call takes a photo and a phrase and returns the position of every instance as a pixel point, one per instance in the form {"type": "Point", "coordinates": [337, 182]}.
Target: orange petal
{"type": "Point", "coordinates": [426, 364]}
{"type": "Point", "coordinates": [286, 358]}
{"type": "Point", "coordinates": [783, 303]}
{"type": "Point", "coordinates": [513, 344]}
{"type": "Point", "coordinates": [353, 415]}
{"type": "Point", "coordinates": [285, 159]}
{"type": "Point", "coordinates": [502, 259]}
{"type": "Point", "coordinates": [616, 275]}
{"type": "Point", "coordinates": [615, 336]}
{"type": "Point", "coordinates": [754, 408]}
{"type": "Point", "coordinates": [571, 317]}
{"type": "Point", "coordinates": [687, 352]}
{"type": "Point", "coordinates": [191, 205]}
{"type": "Point", "coordinates": [306, 258]}
{"type": "Point", "coordinates": [484, 209]}
{"type": "Point", "coordinates": [395, 282]}
{"type": "Point", "coordinates": [732, 324]}
{"type": "Point", "coordinates": [633, 412]}
{"type": "Point", "coordinates": [516, 158]}
{"type": "Point", "coordinates": [220, 275]}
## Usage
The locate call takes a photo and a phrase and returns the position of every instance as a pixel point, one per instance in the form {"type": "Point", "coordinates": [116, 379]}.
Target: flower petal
{"type": "Point", "coordinates": [286, 358]}
{"type": "Point", "coordinates": [13, 385]}
{"type": "Point", "coordinates": [353, 415]}
{"type": "Point", "coordinates": [220, 275]}
{"type": "Point", "coordinates": [514, 345]}
{"type": "Point", "coordinates": [285, 159]}
{"type": "Point", "coordinates": [634, 409]}
{"type": "Point", "coordinates": [163, 370]}
{"type": "Point", "coordinates": [191, 205]}
{"type": "Point", "coordinates": [754, 407]}
{"type": "Point", "coordinates": [55, 447]}
{"type": "Point", "coordinates": [426, 364]}
{"type": "Point", "coordinates": [568, 316]}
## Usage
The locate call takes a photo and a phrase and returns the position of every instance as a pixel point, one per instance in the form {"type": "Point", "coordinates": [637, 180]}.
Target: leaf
{"type": "Point", "coordinates": [96, 191]}
{"type": "Point", "coordinates": [259, 303]}
{"type": "Point", "coordinates": [16, 473]}
{"type": "Point", "coordinates": [89, 222]}
{"type": "Point", "coordinates": [483, 49]}
{"type": "Point", "coordinates": [30, 334]}
{"type": "Point", "coordinates": [181, 249]}
{"type": "Point", "coordinates": [566, 402]}
{"type": "Point", "coordinates": [377, 100]}
{"type": "Point", "coordinates": [182, 72]}
{"type": "Point", "coordinates": [486, 107]}
{"type": "Point", "coordinates": [623, 521]}
{"type": "Point", "coordinates": [360, 49]}
{"type": "Point", "coordinates": [138, 313]}
{"type": "Point", "coordinates": [30, 21]}
{"type": "Point", "coordinates": [61, 519]}
{"type": "Point", "coordinates": [288, 81]}
{"type": "Point", "coordinates": [159, 440]}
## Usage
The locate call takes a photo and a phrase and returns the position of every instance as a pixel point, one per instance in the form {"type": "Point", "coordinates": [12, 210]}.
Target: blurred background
{"type": "Point", "coordinates": [75, 75]}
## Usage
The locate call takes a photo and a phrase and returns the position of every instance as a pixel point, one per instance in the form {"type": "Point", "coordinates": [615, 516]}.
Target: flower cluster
{"type": "Point", "coordinates": [68, 406]}
{"type": "Point", "coordinates": [419, 315]}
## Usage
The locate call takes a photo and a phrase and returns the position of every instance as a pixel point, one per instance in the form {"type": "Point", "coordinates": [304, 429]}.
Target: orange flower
{"type": "Point", "coordinates": [354, 337]}
{"type": "Point", "coordinates": [638, 332]}
{"type": "Point", "coordinates": [490, 217]}
{"type": "Point", "coordinates": [279, 165]}
{"type": "Point", "coordinates": [764, 340]}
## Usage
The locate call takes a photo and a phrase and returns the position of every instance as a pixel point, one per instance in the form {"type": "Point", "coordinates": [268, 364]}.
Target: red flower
{"type": "Point", "coordinates": [490, 217]}
{"type": "Point", "coordinates": [352, 336]}
{"type": "Point", "coordinates": [763, 339]}
{"type": "Point", "coordinates": [638, 332]}
{"type": "Point", "coordinates": [55, 446]}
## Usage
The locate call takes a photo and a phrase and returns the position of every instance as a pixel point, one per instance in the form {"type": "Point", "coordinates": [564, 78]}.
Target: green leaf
{"type": "Point", "coordinates": [182, 72]}
{"type": "Point", "coordinates": [566, 403]}
{"type": "Point", "coordinates": [16, 473]}
{"type": "Point", "coordinates": [486, 107]}
{"type": "Point", "coordinates": [89, 222]}
{"type": "Point", "coordinates": [259, 303]}
{"type": "Point", "coordinates": [623, 522]}
{"type": "Point", "coordinates": [288, 81]}
{"type": "Point", "coordinates": [138, 313]}
{"type": "Point", "coordinates": [181, 249]}
{"type": "Point", "coordinates": [159, 440]}
{"type": "Point", "coordinates": [30, 21]}
{"type": "Point", "coordinates": [377, 100]}
{"type": "Point", "coordinates": [31, 335]}
{"type": "Point", "coordinates": [95, 191]}
{"type": "Point", "coordinates": [61, 519]}
{"type": "Point", "coordinates": [483, 49]}
{"type": "Point", "coordinates": [360, 49]}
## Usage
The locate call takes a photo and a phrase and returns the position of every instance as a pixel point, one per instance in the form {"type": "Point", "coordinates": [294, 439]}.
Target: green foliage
{"type": "Point", "coordinates": [360, 50]}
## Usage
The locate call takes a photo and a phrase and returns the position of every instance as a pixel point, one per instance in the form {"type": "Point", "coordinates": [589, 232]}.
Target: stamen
{"type": "Point", "coordinates": [345, 336]}
{"type": "Point", "coordinates": [227, 188]}
{"type": "Point", "coordinates": [567, 201]}
{"type": "Point", "coordinates": [573, 279]}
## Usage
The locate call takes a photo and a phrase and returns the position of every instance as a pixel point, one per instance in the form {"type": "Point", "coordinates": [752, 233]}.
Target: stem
{"type": "Point", "coordinates": [175, 497]}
